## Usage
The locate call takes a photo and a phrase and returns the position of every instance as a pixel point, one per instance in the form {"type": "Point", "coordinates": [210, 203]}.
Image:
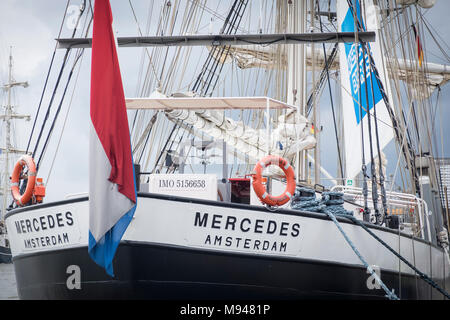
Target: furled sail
{"type": "Point", "coordinates": [359, 88]}
{"type": "Point", "coordinates": [259, 56]}
{"type": "Point", "coordinates": [292, 134]}
{"type": "Point", "coordinates": [431, 75]}
{"type": "Point", "coordinates": [422, 3]}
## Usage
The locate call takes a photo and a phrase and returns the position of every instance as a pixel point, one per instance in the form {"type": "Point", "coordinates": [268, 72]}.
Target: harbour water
{"type": "Point", "coordinates": [8, 289]}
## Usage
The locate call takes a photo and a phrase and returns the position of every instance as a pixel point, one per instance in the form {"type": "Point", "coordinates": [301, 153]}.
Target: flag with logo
{"type": "Point", "coordinates": [361, 91]}
{"type": "Point", "coordinates": [112, 188]}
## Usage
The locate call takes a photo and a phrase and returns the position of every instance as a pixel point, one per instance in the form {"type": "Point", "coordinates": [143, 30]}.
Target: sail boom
{"type": "Point", "coordinates": [224, 39]}
{"type": "Point", "coordinates": [199, 103]}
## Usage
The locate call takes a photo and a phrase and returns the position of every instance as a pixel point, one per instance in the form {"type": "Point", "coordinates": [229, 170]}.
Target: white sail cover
{"type": "Point", "coordinates": [291, 135]}
{"type": "Point", "coordinates": [351, 97]}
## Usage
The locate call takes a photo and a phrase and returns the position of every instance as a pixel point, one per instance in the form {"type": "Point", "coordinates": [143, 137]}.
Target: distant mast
{"type": "Point", "coordinates": [7, 117]}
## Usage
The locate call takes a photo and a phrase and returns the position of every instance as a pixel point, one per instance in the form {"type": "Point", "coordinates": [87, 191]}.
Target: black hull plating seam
{"type": "Point", "coordinates": [160, 272]}
{"type": "Point", "coordinates": [321, 216]}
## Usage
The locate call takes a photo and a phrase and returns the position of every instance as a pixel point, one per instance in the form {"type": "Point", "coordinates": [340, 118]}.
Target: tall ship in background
{"type": "Point", "coordinates": [214, 114]}
{"type": "Point", "coordinates": [9, 154]}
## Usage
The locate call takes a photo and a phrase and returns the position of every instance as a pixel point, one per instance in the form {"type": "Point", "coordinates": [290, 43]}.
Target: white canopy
{"type": "Point", "coordinates": [197, 103]}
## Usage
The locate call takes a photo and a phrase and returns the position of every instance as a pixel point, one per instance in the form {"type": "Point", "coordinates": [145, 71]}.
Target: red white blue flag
{"type": "Point", "coordinates": [112, 188]}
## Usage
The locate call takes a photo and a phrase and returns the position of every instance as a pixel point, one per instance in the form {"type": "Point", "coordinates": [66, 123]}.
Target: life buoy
{"type": "Point", "coordinates": [22, 199]}
{"type": "Point", "coordinates": [260, 189]}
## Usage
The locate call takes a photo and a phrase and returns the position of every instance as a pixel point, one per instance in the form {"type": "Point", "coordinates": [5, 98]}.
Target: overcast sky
{"type": "Point", "coordinates": [31, 26]}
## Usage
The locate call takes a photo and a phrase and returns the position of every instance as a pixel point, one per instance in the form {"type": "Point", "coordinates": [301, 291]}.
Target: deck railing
{"type": "Point", "coordinates": [397, 204]}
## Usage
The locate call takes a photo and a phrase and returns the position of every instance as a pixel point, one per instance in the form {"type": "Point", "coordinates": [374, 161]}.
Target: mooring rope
{"type": "Point", "coordinates": [332, 204]}
{"type": "Point", "coordinates": [389, 294]}
{"type": "Point", "coordinates": [421, 274]}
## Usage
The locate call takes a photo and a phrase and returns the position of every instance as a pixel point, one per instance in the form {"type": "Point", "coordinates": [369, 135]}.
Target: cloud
{"type": "Point", "coordinates": [29, 35]}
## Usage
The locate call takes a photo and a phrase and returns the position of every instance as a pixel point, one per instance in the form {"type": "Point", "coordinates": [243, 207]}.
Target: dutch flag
{"type": "Point", "coordinates": [112, 189]}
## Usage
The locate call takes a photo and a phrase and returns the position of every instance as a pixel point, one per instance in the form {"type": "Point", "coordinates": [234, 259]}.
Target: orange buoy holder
{"type": "Point", "coordinates": [22, 199]}
{"type": "Point", "coordinates": [273, 202]}
{"type": "Point", "coordinates": [39, 191]}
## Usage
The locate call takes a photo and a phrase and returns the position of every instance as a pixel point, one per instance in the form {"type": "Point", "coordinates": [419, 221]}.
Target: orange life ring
{"type": "Point", "coordinates": [260, 189]}
{"type": "Point", "coordinates": [22, 199]}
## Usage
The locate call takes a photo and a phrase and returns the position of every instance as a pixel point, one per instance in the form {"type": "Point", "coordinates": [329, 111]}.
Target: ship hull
{"type": "Point", "coordinates": [180, 248]}
{"type": "Point", "coordinates": [5, 255]}
{"type": "Point", "coordinates": [146, 271]}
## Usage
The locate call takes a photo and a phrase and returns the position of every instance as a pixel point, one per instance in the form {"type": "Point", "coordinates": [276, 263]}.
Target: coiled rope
{"type": "Point", "coordinates": [305, 199]}
{"type": "Point", "coordinates": [334, 202]}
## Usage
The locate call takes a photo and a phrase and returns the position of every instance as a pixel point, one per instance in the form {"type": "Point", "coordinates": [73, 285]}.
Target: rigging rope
{"type": "Point", "coordinates": [77, 58]}
{"type": "Point", "coordinates": [215, 67]}
{"type": "Point", "coordinates": [331, 95]}
{"type": "Point", "coordinates": [56, 85]}
{"type": "Point", "coordinates": [65, 121]}
{"type": "Point", "coordinates": [380, 164]}
{"type": "Point", "coordinates": [390, 111]}
{"type": "Point", "coordinates": [208, 77]}
{"type": "Point", "coordinates": [145, 49]}
{"type": "Point", "coordinates": [363, 167]}
{"type": "Point", "coordinates": [369, 120]}
{"type": "Point", "coordinates": [189, 24]}
{"type": "Point", "coordinates": [44, 148]}
{"type": "Point", "coordinates": [405, 144]}
{"type": "Point", "coordinates": [46, 79]}
{"type": "Point", "coordinates": [65, 59]}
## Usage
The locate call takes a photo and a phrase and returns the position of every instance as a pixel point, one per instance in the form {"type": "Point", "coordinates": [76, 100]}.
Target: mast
{"type": "Point", "coordinates": [315, 105]}
{"type": "Point", "coordinates": [7, 117]}
{"type": "Point", "coordinates": [296, 84]}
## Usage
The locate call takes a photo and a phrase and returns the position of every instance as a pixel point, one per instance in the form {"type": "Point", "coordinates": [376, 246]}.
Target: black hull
{"type": "Point", "coordinates": [147, 271]}
{"type": "Point", "coordinates": [5, 255]}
